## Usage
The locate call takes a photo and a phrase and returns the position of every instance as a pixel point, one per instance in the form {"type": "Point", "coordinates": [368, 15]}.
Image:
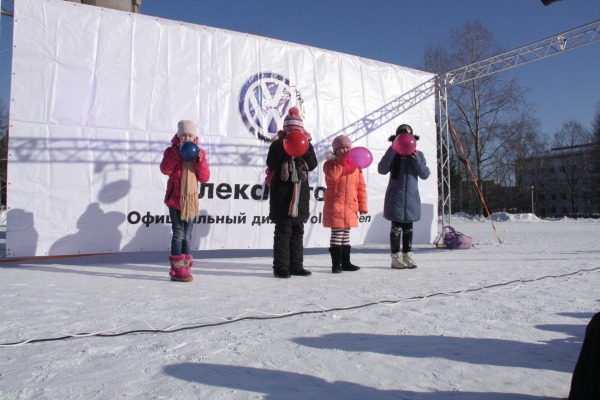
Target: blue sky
{"type": "Point", "coordinates": [562, 87]}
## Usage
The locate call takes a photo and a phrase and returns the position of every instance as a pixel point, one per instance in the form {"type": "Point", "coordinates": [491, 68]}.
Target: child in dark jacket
{"type": "Point", "coordinates": [402, 205]}
{"type": "Point", "coordinates": [289, 199]}
{"type": "Point", "coordinates": [585, 382]}
{"type": "Point", "coordinates": [182, 197]}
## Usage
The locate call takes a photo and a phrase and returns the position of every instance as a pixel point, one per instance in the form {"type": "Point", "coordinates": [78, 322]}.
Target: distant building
{"type": "Point", "coordinates": [123, 5]}
{"type": "Point", "coordinates": [498, 198]}
{"type": "Point", "coordinates": [564, 181]}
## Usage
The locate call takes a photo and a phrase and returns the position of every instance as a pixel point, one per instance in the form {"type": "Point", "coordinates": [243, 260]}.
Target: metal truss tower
{"type": "Point", "coordinates": [560, 43]}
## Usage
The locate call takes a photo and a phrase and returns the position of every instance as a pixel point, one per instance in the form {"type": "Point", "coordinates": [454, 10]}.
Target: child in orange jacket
{"type": "Point", "coordinates": [345, 198]}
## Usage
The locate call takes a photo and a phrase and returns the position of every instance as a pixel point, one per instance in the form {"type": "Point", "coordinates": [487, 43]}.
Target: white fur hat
{"type": "Point", "coordinates": [187, 126]}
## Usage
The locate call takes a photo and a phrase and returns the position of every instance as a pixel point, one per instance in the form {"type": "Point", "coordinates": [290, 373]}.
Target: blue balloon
{"type": "Point", "coordinates": [189, 151]}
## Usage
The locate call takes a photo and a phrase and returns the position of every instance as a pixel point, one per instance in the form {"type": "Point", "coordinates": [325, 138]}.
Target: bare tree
{"type": "Point", "coordinates": [595, 194]}
{"type": "Point", "coordinates": [576, 163]}
{"type": "Point", "coordinates": [571, 134]}
{"type": "Point", "coordinates": [596, 138]}
{"type": "Point", "coordinates": [596, 124]}
{"type": "Point", "coordinates": [491, 114]}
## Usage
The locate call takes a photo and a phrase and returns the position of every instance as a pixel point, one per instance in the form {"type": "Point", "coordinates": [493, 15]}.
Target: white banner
{"type": "Point", "coordinates": [96, 97]}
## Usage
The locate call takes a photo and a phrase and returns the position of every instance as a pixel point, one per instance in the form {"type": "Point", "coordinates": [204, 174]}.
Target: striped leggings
{"type": "Point", "coordinates": [339, 237]}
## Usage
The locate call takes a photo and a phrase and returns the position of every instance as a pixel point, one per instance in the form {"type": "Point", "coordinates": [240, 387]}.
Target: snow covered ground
{"type": "Point", "coordinates": [494, 322]}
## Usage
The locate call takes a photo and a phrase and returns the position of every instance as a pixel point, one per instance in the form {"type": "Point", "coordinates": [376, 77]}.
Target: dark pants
{"type": "Point", "coordinates": [404, 229]}
{"type": "Point", "coordinates": [288, 246]}
{"type": "Point", "coordinates": [182, 233]}
{"type": "Point", "coordinates": [585, 383]}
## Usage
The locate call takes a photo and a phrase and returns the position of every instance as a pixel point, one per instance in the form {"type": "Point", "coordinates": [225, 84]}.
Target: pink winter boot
{"type": "Point", "coordinates": [188, 261]}
{"type": "Point", "coordinates": [179, 270]}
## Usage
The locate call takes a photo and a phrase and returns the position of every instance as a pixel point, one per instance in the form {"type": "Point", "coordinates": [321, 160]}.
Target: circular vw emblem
{"type": "Point", "coordinates": [264, 100]}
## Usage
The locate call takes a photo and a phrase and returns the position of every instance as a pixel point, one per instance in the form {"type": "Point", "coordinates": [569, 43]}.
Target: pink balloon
{"type": "Point", "coordinates": [360, 157]}
{"type": "Point", "coordinates": [404, 144]}
{"type": "Point", "coordinates": [295, 144]}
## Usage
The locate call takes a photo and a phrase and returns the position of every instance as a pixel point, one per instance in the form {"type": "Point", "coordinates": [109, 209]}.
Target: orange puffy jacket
{"type": "Point", "coordinates": [345, 196]}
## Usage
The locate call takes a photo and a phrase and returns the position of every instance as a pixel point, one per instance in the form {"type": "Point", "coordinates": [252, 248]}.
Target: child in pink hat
{"type": "Point", "coordinates": [345, 198]}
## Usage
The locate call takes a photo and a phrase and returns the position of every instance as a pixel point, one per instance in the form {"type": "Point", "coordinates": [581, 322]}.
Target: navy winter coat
{"type": "Point", "coordinates": [402, 200]}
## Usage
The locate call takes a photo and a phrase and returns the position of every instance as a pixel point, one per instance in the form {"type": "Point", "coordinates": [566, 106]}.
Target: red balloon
{"type": "Point", "coordinates": [295, 144]}
{"type": "Point", "coordinates": [404, 144]}
{"type": "Point", "coordinates": [360, 157]}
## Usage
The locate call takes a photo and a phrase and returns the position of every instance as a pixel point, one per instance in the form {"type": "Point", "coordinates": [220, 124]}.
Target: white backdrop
{"type": "Point", "coordinates": [96, 96]}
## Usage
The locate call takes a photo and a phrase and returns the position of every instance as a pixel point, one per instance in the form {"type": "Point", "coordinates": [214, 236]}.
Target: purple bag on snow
{"type": "Point", "coordinates": [456, 240]}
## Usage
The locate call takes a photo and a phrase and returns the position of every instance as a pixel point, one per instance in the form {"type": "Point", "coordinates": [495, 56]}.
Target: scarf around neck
{"type": "Point", "coordinates": [189, 191]}
{"type": "Point", "coordinates": [295, 170]}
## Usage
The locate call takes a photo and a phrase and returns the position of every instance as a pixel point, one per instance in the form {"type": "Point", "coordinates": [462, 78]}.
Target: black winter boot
{"type": "Point", "coordinates": [336, 259]}
{"type": "Point", "coordinates": [346, 264]}
{"type": "Point", "coordinates": [282, 273]}
{"type": "Point", "coordinates": [300, 272]}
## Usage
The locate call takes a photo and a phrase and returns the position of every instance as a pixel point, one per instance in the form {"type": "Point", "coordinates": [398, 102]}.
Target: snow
{"type": "Point", "coordinates": [500, 321]}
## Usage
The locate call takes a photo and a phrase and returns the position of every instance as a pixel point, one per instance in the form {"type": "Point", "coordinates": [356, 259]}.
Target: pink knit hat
{"type": "Point", "coordinates": [293, 118]}
{"type": "Point", "coordinates": [341, 141]}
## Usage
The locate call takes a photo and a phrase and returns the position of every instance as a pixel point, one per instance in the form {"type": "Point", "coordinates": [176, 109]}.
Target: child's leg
{"type": "Point", "coordinates": [281, 249]}
{"type": "Point", "coordinates": [346, 237]}
{"type": "Point", "coordinates": [337, 237]}
{"type": "Point", "coordinates": [297, 249]}
{"type": "Point", "coordinates": [335, 249]}
{"type": "Point", "coordinates": [179, 270]}
{"type": "Point", "coordinates": [178, 231]}
{"type": "Point", "coordinates": [346, 264]}
{"type": "Point", "coordinates": [188, 227]}
{"type": "Point", "coordinates": [395, 232]}
{"type": "Point", "coordinates": [407, 236]}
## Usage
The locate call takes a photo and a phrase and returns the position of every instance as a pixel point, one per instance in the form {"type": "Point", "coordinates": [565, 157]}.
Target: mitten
{"type": "Point", "coordinates": [269, 177]}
